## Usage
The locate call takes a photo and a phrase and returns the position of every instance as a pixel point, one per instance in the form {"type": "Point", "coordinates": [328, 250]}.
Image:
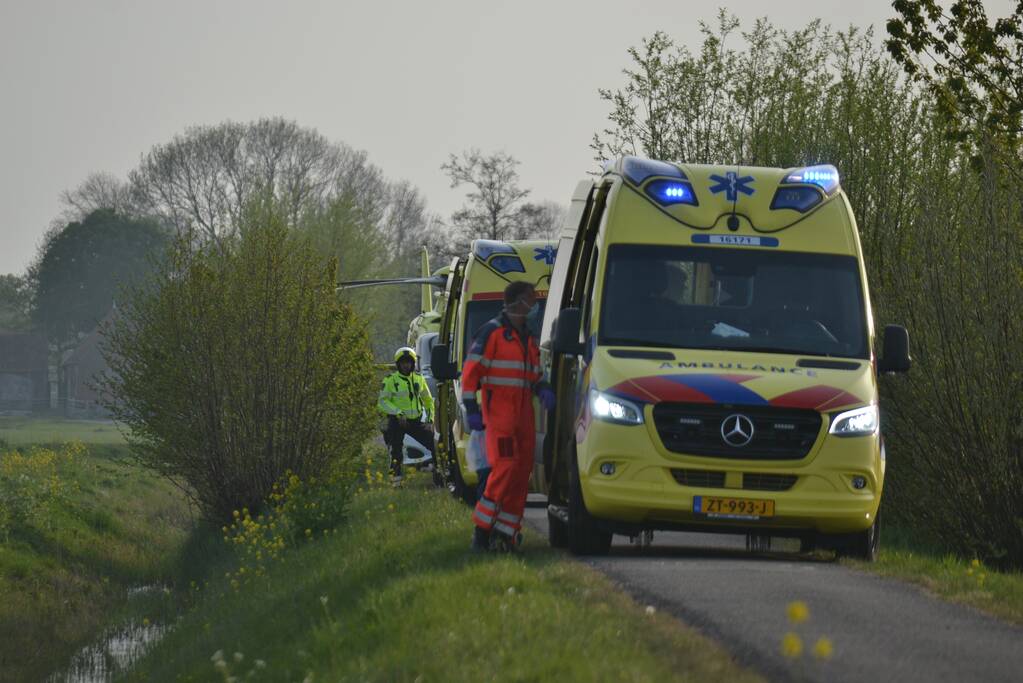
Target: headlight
{"type": "Point", "coordinates": [613, 409]}
{"type": "Point", "coordinates": [858, 422]}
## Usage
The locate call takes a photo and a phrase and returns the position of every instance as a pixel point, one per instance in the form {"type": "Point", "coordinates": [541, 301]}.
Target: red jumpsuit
{"type": "Point", "coordinates": [505, 368]}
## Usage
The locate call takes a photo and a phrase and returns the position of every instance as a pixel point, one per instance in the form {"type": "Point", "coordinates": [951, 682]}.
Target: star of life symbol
{"type": "Point", "coordinates": [737, 430]}
{"type": "Point", "coordinates": [731, 184]}
{"type": "Point", "coordinates": [546, 254]}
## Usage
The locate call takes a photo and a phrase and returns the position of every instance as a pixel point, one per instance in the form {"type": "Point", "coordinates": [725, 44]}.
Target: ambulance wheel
{"type": "Point", "coordinates": [459, 489]}
{"type": "Point", "coordinates": [557, 531]}
{"type": "Point", "coordinates": [584, 538]}
{"type": "Point", "coordinates": [863, 545]}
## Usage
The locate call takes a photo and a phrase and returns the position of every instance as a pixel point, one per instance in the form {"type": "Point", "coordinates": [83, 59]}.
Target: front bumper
{"type": "Point", "coordinates": [643, 491]}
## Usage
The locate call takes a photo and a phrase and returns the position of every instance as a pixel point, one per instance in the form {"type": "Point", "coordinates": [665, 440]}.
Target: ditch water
{"type": "Point", "coordinates": [115, 651]}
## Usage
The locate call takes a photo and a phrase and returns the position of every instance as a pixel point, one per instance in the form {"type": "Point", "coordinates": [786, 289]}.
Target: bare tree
{"type": "Point", "coordinates": [98, 191]}
{"type": "Point", "coordinates": [540, 221]}
{"type": "Point", "coordinates": [493, 205]}
{"type": "Point", "coordinates": [205, 177]}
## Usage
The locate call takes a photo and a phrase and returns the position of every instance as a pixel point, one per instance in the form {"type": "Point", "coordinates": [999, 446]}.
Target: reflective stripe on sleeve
{"type": "Point", "coordinates": [505, 529]}
{"type": "Point", "coordinates": [509, 517]}
{"type": "Point", "coordinates": [486, 520]}
{"type": "Point", "coordinates": [506, 382]}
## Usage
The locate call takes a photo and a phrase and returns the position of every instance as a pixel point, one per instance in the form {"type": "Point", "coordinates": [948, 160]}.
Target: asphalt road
{"type": "Point", "coordinates": [881, 629]}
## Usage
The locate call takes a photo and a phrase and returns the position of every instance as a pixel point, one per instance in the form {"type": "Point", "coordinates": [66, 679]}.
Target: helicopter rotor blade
{"type": "Point", "coordinates": [436, 281]}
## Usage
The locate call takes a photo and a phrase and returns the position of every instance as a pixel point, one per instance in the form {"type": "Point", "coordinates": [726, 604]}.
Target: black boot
{"type": "Point", "coordinates": [503, 543]}
{"type": "Point", "coordinates": [480, 540]}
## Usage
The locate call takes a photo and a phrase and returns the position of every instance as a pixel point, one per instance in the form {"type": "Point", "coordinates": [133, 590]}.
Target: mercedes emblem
{"type": "Point", "coordinates": [737, 430]}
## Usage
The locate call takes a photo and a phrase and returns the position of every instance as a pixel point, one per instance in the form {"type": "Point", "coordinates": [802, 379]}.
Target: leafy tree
{"type": "Point", "coordinates": [494, 201]}
{"type": "Point", "coordinates": [81, 267]}
{"type": "Point", "coordinates": [15, 303]}
{"type": "Point", "coordinates": [237, 363]}
{"type": "Point", "coordinates": [973, 67]}
{"type": "Point", "coordinates": [201, 181]}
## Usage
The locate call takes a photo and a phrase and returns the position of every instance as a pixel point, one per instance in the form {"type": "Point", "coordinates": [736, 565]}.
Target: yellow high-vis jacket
{"type": "Point", "coordinates": [406, 395]}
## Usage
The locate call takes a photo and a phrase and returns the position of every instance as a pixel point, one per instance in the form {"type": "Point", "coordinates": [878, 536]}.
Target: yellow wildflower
{"type": "Point", "coordinates": [797, 612]}
{"type": "Point", "coordinates": [791, 645]}
{"type": "Point", "coordinates": [823, 649]}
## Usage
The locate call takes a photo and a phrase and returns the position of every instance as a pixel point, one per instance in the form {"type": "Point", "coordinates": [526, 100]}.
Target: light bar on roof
{"type": "Point", "coordinates": [668, 192]}
{"type": "Point", "coordinates": [824, 176]}
{"type": "Point", "coordinates": [484, 249]}
{"type": "Point", "coordinates": [636, 170]}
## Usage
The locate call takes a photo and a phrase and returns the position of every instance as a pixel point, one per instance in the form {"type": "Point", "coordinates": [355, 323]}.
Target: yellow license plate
{"type": "Point", "coordinates": [733, 508]}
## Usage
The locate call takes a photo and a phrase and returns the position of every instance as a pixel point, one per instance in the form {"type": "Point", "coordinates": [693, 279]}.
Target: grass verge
{"type": "Point", "coordinates": [68, 559]}
{"type": "Point", "coordinates": [396, 595]}
{"type": "Point", "coordinates": [26, 431]}
{"type": "Point", "coordinates": [968, 582]}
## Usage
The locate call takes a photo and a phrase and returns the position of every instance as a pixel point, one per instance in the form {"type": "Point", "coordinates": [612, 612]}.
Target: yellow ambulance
{"type": "Point", "coordinates": [473, 295]}
{"type": "Point", "coordinates": [711, 342]}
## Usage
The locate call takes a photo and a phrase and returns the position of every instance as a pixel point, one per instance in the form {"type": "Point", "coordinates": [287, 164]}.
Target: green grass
{"type": "Point", "coordinates": [65, 573]}
{"type": "Point", "coordinates": [22, 431]}
{"type": "Point", "coordinates": [396, 595]}
{"type": "Point", "coordinates": [955, 579]}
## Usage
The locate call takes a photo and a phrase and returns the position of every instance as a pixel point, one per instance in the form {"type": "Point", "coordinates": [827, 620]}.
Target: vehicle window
{"type": "Point", "coordinates": [741, 299]}
{"type": "Point", "coordinates": [424, 347]}
{"type": "Point", "coordinates": [479, 312]}
{"type": "Point", "coordinates": [590, 304]}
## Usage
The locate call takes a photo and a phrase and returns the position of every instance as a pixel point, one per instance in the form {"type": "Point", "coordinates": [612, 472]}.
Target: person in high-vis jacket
{"type": "Point", "coordinates": [406, 400]}
{"type": "Point", "coordinates": [503, 365]}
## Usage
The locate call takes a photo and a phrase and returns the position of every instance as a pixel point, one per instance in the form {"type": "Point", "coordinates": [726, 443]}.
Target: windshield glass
{"type": "Point", "coordinates": [479, 312]}
{"type": "Point", "coordinates": [741, 299]}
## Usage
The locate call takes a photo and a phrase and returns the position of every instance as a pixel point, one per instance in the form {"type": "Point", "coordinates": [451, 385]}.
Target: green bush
{"type": "Point", "coordinates": [237, 364]}
{"type": "Point", "coordinates": [30, 483]}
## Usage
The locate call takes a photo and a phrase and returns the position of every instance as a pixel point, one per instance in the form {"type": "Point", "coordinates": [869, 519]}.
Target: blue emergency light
{"type": "Point", "coordinates": [824, 176]}
{"type": "Point", "coordinates": [507, 264]}
{"type": "Point", "coordinates": [668, 192]}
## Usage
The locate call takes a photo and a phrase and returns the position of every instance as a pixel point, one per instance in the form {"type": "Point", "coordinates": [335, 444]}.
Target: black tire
{"type": "Point", "coordinates": [584, 537]}
{"type": "Point", "coordinates": [557, 531]}
{"type": "Point", "coordinates": [863, 545]}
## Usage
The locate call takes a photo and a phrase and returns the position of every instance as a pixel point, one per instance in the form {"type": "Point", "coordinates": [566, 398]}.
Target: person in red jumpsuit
{"type": "Point", "coordinates": [503, 365]}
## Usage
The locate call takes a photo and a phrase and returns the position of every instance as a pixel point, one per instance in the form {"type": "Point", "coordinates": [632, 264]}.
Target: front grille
{"type": "Point", "coordinates": [757, 481]}
{"type": "Point", "coordinates": [702, 478]}
{"type": "Point", "coordinates": [778, 433]}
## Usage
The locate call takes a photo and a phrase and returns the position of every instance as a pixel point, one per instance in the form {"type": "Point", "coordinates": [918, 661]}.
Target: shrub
{"type": "Point", "coordinates": [237, 363]}
{"type": "Point", "coordinates": [30, 483]}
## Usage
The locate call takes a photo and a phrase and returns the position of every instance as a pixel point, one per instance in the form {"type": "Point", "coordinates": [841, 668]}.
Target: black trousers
{"type": "Point", "coordinates": [395, 435]}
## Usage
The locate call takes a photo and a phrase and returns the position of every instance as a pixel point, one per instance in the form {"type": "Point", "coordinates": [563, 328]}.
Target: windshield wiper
{"type": "Point", "coordinates": [779, 349]}
{"type": "Point", "coordinates": [617, 341]}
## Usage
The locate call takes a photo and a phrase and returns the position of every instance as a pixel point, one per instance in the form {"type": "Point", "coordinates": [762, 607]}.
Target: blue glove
{"type": "Point", "coordinates": [547, 399]}
{"type": "Point", "coordinates": [475, 421]}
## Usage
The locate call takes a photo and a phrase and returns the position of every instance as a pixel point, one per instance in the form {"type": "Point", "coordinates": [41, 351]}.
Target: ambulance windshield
{"type": "Point", "coordinates": [730, 298]}
{"type": "Point", "coordinates": [479, 312]}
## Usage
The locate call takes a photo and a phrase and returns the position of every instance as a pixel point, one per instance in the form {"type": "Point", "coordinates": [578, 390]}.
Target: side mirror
{"type": "Point", "coordinates": [566, 333]}
{"type": "Point", "coordinates": [896, 350]}
{"type": "Point", "coordinates": [440, 365]}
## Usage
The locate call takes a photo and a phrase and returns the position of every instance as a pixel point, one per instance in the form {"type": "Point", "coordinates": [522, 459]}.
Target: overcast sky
{"type": "Point", "coordinates": [91, 85]}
